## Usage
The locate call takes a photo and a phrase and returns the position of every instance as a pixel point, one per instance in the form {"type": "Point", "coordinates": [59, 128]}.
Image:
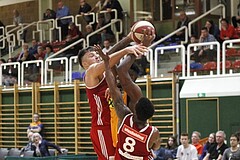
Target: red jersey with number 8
{"type": "Point", "coordinates": [132, 141]}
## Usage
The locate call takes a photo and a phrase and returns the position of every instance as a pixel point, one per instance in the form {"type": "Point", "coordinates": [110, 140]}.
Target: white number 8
{"type": "Point", "coordinates": [129, 144]}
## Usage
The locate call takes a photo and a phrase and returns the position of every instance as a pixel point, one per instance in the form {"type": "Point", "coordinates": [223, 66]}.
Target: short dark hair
{"type": "Point", "coordinates": [184, 134]}
{"type": "Point", "coordinates": [235, 135]}
{"type": "Point", "coordinates": [49, 46]}
{"type": "Point", "coordinates": [82, 52]}
{"type": "Point", "coordinates": [144, 109]}
{"type": "Point", "coordinates": [3, 60]}
{"type": "Point", "coordinates": [204, 28]}
{"type": "Point", "coordinates": [225, 20]}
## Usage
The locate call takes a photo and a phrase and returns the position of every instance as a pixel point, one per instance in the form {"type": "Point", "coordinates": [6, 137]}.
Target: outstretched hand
{"type": "Point", "coordinates": [137, 50]}
{"type": "Point", "coordinates": [98, 49]}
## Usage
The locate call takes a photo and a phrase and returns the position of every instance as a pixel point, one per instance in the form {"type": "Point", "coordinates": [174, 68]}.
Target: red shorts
{"type": "Point", "coordinates": [102, 142]}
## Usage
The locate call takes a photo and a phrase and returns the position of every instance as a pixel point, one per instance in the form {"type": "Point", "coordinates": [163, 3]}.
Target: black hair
{"type": "Point", "coordinates": [144, 109]}
{"type": "Point", "coordinates": [175, 144]}
{"type": "Point", "coordinates": [235, 135]}
{"type": "Point", "coordinates": [184, 134]}
{"type": "Point", "coordinates": [225, 20]}
{"type": "Point", "coordinates": [82, 52]}
{"type": "Point", "coordinates": [204, 28]}
{"type": "Point", "coordinates": [3, 60]}
{"type": "Point", "coordinates": [49, 46]}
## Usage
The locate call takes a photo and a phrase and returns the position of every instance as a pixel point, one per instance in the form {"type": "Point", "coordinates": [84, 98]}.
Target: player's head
{"type": "Point", "coordinates": [144, 109]}
{"type": "Point", "coordinates": [184, 139]}
{"type": "Point", "coordinates": [87, 56]}
{"type": "Point", "coordinates": [234, 140]}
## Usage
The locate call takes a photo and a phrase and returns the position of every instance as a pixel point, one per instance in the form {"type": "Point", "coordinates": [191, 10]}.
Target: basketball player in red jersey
{"type": "Point", "coordinates": [135, 137]}
{"type": "Point", "coordinates": [95, 87]}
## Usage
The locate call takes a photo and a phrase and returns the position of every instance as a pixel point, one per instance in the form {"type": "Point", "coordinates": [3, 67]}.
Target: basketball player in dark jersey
{"type": "Point", "coordinates": [136, 138]}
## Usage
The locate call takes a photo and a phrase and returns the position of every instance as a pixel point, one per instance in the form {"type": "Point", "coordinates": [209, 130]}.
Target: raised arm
{"type": "Point", "coordinates": [98, 69]}
{"type": "Point", "coordinates": [132, 89]}
{"type": "Point", "coordinates": [115, 93]}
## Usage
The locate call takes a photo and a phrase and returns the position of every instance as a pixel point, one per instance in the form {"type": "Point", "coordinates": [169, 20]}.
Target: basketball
{"type": "Point", "coordinates": [138, 30]}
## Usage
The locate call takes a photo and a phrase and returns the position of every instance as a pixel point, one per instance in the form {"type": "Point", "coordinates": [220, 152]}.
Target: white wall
{"type": "Point", "coordinates": [9, 2]}
{"type": "Point", "coordinates": [125, 5]}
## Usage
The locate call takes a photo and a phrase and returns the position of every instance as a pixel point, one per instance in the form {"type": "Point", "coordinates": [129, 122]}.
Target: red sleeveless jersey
{"type": "Point", "coordinates": [132, 141]}
{"type": "Point", "coordinates": [98, 104]}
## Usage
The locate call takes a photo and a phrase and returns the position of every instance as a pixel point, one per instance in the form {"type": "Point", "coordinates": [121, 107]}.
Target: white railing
{"type": "Point", "coordinates": [72, 60]}
{"type": "Point", "coordinates": [3, 30]}
{"type": "Point", "coordinates": [16, 65]}
{"type": "Point", "coordinates": [170, 35]}
{"type": "Point", "coordinates": [227, 44]}
{"type": "Point", "coordinates": [138, 15]}
{"type": "Point", "coordinates": [105, 11]}
{"type": "Point", "coordinates": [42, 31]}
{"type": "Point", "coordinates": [102, 28]}
{"type": "Point", "coordinates": [178, 48]}
{"type": "Point", "coordinates": [204, 15]}
{"type": "Point", "coordinates": [20, 31]}
{"type": "Point", "coordinates": [85, 14]}
{"type": "Point", "coordinates": [11, 43]}
{"type": "Point", "coordinates": [59, 28]}
{"type": "Point", "coordinates": [1, 36]}
{"type": "Point", "coordinates": [11, 28]}
{"type": "Point", "coordinates": [194, 46]}
{"type": "Point", "coordinates": [69, 46]}
{"type": "Point", "coordinates": [27, 63]}
{"type": "Point", "coordinates": [48, 63]}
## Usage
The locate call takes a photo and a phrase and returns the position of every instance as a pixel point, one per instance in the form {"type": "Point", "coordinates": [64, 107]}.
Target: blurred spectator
{"type": "Point", "coordinates": [216, 150]}
{"type": "Point", "coordinates": [40, 146]}
{"type": "Point", "coordinates": [40, 53]}
{"type": "Point", "coordinates": [28, 147]}
{"type": "Point", "coordinates": [167, 9]}
{"type": "Point", "coordinates": [94, 39]}
{"type": "Point", "coordinates": [195, 141]}
{"type": "Point", "coordinates": [74, 31]}
{"type": "Point", "coordinates": [99, 5]}
{"type": "Point", "coordinates": [33, 49]}
{"type": "Point", "coordinates": [232, 153]}
{"type": "Point", "coordinates": [186, 151]}
{"type": "Point", "coordinates": [227, 31]}
{"type": "Point", "coordinates": [85, 8]}
{"type": "Point", "coordinates": [183, 21]}
{"type": "Point", "coordinates": [24, 55]}
{"type": "Point", "coordinates": [49, 51]}
{"type": "Point", "coordinates": [238, 134]}
{"type": "Point", "coordinates": [210, 142]}
{"type": "Point", "coordinates": [1, 25]}
{"type": "Point", "coordinates": [169, 152]}
{"type": "Point", "coordinates": [49, 14]}
{"type": "Point", "coordinates": [18, 20]}
{"type": "Point", "coordinates": [36, 126]}
{"type": "Point", "coordinates": [213, 29]}
{"type": "Point", "coordinates": [73, 51]}
{"type": "Point", "coordinates": [236, 19]}
{"type": "Point", "coordinates": [114, 4]}
{"type": "Point", "coordinates": [9, 74]}
{"type": "Point", "coordinates": [63, 11]}
{"type": "Point", "coordinates": [205, 50]}
{"type": "Point", "coordinates": [107, 46]}
{"type": "Point", "coordinates": [106, 33]}
{"type": "Point", "coordinates": [3, 51]}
